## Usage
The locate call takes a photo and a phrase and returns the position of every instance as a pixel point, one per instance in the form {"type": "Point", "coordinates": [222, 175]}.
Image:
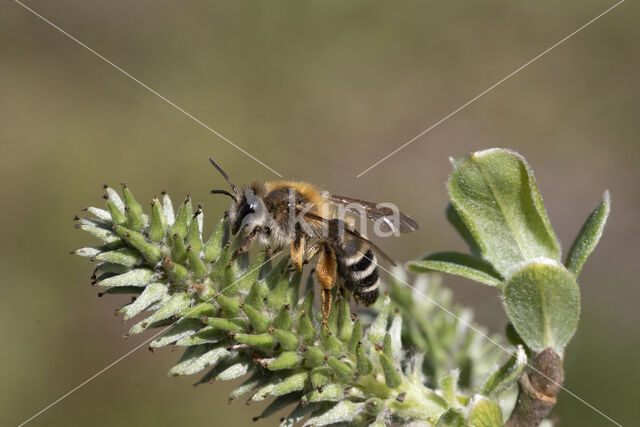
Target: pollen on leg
{"type": "Point", "coordinates": [297, 252]}
{"type": "Point", "coordinates": [326, 272]}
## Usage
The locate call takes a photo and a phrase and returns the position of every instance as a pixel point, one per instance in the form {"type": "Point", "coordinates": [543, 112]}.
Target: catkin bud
{"type": "Point", "coordinates": [286, 360]}
{"type": "Point", "coordinates": [259, 321]}
{"type": "Point", "coordinates": [287, 340]}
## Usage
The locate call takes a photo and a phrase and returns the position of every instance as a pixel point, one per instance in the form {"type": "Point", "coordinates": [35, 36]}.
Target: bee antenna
{"type": "Point", "coordinates": [215, 165]}
{"type": "Point", "coordinates": [224, 192]}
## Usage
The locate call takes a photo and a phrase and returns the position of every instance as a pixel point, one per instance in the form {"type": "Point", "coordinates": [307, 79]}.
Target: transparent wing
{"type": "Point", "coordinates": [334, 230]}
{"type": "Point", "coordinates": [387, 218]}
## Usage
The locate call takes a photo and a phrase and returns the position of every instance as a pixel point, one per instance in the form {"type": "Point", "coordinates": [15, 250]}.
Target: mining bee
{"type": "Point", "coordinates": [310, 222]}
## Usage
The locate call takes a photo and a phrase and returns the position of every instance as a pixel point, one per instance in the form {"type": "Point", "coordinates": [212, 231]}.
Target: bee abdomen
{"type": "Point", "coordinates": [360, 271]}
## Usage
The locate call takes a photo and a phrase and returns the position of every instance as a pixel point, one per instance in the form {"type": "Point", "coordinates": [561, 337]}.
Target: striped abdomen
{"type": "Point", "coordinates": [360, 271]}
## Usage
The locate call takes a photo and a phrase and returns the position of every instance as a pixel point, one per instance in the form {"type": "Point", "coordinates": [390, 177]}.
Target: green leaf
{"type": "Point", "coordinates": [449, 387]}
{"type": "Point", "coordinates": [452, 418]}
{"type": "Point", "coordinates": [455, 220]}
{"type": "Point", "coordinates": [507, 374]}
{"type": "Point", "coordinates": [459, 264]}
{"type": "Point", "coordinates": [588, 236]}
{"type": "Point", "coordinates": [495, 194]}
{"type": "Point", "coordinates": [484, 413]}
{"type": "Point", "coordinates": [542, 301]}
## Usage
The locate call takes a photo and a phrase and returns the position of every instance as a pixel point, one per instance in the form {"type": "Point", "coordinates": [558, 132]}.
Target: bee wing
{"type": "Point", "coordinates": [334, 230]}
{"type": "Point", "coordinates": [387, 218]}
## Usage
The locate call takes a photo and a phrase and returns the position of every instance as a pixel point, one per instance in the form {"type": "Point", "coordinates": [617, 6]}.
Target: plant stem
{"type": "Point", "coordinates": [538, 390]}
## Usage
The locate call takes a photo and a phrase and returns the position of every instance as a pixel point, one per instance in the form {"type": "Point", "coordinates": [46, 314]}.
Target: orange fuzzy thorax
{"type": "Point", "coordinates": [309, 191]}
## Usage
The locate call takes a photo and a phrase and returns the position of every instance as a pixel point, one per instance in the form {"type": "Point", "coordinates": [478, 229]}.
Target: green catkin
{"type": "Point", "coordinates": [182, 219]}
{"type": "Point", "coordinates": [259, 328]}
{"type": "Point", "coordinates": [256, 295]}
{"type": "Point", "coordinates": [249, 278]}
{"type": "Point", "coordinates": [391, 376]}
{"type": "Point", "coordinates": [363, 364]}
{"type": "Point", "coordinates": [230, 306]}
{"type": "Point", "coordinates": [286, 360]}
{"type": "Point", "coordinates": [343, 369]}
{"type": "Point", "coordinates": [228, 324]}
{"type": "Point", "coordinates": [320, 376]}
{"type": "Point", "coordinates": [307, 304]}
{"type": "Point", "coordinates": [332, 321]}
{"type": "Point", "coordinates": [283, 319]}
{"type": "Point", "coordinates": [264, 342]}
{"type": "Point", "coordinates": [288, 340]}
{"type": "Point", "coordinates": [259, 321]}
{"type": "Point", "coordinates": [212, 248]}
{"type": "Point", "coordinates": [345, 324]}
{"type": "Point", "coordinates": [117, 217]}
{"type": "Point", "coordinates": [305, 328]}
{"type": "Point", "coordinates": [151, 253]}
{"type": "Point", "coordinates": [314, 357]}
{"type": "Point", "coordinates": [332, 345]}
{"type": "Point", "coordinates": [193, 235]}
{"type": "Point", "coordinates": [294, 287]}
{"type": "Point", "coordinates": [157, 231]}
{"type": "Point", "coordinates": [356, 336]}
{"type": "Point", "coordinates": [196, 265]}
{"type": "Point", "coordinates": [176, 272]}
{"type": "Point", "coordinates": [178, 249]}
{"type": "Point", "coordinates": [133, 210]}
{"type": "Point", "coordinates": [200, 310]}
{"type": "Point", "coordinates": [278, 296]}
{"type": "Point", "coordinates": [387, 350]}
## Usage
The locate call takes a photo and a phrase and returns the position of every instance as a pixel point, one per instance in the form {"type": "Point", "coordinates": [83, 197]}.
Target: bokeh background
{"type": "Point", "coordinates": [318, 91]}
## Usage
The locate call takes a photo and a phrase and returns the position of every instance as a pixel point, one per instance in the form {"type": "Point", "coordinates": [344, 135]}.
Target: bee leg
{"type": "Point", "coordinates": [326, 272]}
{"type": "Point", "coordinates": [246, 244]}
{"type": "Point", "coordinates": [297, 250]}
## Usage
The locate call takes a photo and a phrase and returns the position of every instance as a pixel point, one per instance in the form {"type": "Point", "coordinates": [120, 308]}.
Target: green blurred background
{"type": "Point", "coordinates": [318, 91]}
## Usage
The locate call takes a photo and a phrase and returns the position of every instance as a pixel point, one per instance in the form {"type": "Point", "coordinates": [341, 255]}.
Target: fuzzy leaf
{"type": "Point", "coordinates": [455, 220]}
{"type": "Point", "coordinates": [152, 293]}
{"type": "Point", "coordinates": [326, 393]}
{"type": "Point", "coordinates": [235, 371]}
{"type": "Point", "coordinates": [180, 330]}
{"type": "Point", "coordinates": [452, 418]}
{"type": "Point", "coordinates": [449, 387]}
{"type": "Point", "coordinates": [101, 214]}
{"type": "Point", "coordinates": [507, 374]}
{"type": "Point", "coordinates": [459, 264]}
{"type": "Point", "coordinates": [209, 358]}
{"type": "Point", "coordinates": [588, 236]}
{"type": "Point", "coordinates": [542, 301]}
{"type": "Point", "coordinates": [294, 382]}
{"type": "Point", "coordinates": [495, 194]}
{"type": "Point", "coordinates": [484, 413]}
{"type": "Point", "coordinates": [136, 277]}
{"type": "Point", "coordinates": [175, 305]}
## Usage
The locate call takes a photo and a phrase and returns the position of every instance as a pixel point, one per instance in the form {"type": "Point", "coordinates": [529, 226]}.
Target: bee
{"type": "Point", "coordinates": [309, 222]}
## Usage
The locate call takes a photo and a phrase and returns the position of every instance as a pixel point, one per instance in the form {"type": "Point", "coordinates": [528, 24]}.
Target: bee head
{"type": "Point", "coordinates": [246, 211]}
